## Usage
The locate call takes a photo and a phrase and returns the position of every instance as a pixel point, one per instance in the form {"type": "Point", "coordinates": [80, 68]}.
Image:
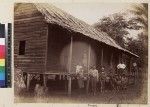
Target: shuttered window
{"type": "Point", "coordinates": [22, 45]}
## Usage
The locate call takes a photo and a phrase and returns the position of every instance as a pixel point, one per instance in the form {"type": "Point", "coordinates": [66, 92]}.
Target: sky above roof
{"type": "Point", "coordinates": [92, 12]}
{"type": "Point", "coordinates": [6, 12]}
{"type": "Point", "coordinates": [88, 12]}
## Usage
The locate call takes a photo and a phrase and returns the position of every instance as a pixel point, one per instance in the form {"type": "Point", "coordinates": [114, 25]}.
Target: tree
{"type": "Point", "coordinates": [141, 14]}
{"type": "Point", "coordinates": [137, 46]}
{"type": "Point", "coordinates": [116, 26]}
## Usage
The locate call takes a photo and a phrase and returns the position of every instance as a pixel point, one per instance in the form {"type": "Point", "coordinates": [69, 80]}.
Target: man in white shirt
{"type": "Point", "coordinates": [121, 68]}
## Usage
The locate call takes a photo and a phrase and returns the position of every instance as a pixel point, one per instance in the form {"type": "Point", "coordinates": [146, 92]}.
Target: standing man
{"type": "Point", "coordinates": [80, 76]}
{"type": "Point", "coordinates": [94, 79]}
{"type": "Point", "coordinates": [102, 79]}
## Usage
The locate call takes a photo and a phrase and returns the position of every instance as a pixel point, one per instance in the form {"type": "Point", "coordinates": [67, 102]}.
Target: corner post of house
{"type": "Point", "coordinates": [70, 60]}
{"type": "Point", "coordinates": [89, 58]}
{"type": "Point", "coordinates": [46, 53]}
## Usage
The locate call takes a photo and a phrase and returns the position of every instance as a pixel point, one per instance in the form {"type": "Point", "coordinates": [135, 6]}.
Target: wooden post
{"type": "Point", "coordinates": [70, 60]}
{"type": "Point", "coordinates": [60, 77]}
{"type": "Point", "coordinates": [111, 60]}
{"type": "Point", "coordinates": [102, 52]}
{"type": "Point", "coordinates": [28, 81]}
{"type": "Point", "coordinates": [130, 65]}
{"type": "Point", "coordinates": [44, 80]}
{"type": "Point", "coordinates": [25, 78]}
{"type": "Point", "coordinates": [89, 58]}
{"type": "Point", "coordinates": [69, 86]}
{"type": "Point", "coordinates": [102, 57]}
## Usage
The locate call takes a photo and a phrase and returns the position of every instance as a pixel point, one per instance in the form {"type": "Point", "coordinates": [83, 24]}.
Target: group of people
{"type": "Point", "coordinates": [102, 80]}
{"type": "Point", "coordinates": [95, 80]}
{"type": "Point", "coordinates": [92, 75]}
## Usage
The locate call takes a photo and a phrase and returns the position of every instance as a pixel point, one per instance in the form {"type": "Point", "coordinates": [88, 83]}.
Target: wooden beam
{"type": "Point", "coordinates": [27, 19]}
{"type": "Point", "coordinates": [70, 60]}
{"type": "Point", "coordinates": [89, 60]}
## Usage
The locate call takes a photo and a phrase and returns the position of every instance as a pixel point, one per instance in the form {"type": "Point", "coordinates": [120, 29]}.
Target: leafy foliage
{"type": "Point", "coordinates": [140, 46]}
{"type": "Point", "coordinates": [116, 26]}
{"type": "Point", "coordinates": [141, 14]}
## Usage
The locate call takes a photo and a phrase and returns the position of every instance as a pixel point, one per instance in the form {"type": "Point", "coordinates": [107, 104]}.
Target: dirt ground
{"type": "Point", "coordinates": [129, 96]}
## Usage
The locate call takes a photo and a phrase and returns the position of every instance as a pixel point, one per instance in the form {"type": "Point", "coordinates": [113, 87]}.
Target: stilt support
{"type": "Point", "coordinates": [28, 81]}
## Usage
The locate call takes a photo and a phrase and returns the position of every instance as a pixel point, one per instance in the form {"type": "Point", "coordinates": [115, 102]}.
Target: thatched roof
{"type": "Point", "coordinates": [57, 16]}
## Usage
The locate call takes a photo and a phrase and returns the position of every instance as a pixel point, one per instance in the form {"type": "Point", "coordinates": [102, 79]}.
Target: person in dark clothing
{"type": "Point", "coordinates": [94, 77]}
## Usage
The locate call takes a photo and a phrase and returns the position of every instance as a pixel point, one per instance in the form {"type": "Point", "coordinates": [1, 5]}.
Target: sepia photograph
{"type": "Point", "coordinates": [81, 53]}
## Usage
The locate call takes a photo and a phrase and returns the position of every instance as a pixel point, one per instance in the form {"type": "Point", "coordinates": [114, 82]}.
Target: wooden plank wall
{"type": "Point", "coordinates": [58, 51]}
{"type": "Point", "coordinates": [107, 62]}
{"type": "Point", "coordinates": [29, 25]}
{"type": "Point", "coordinates": [58, 55]}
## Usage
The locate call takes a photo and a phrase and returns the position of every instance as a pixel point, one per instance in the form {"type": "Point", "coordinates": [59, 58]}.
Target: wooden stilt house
{"type": "Point", "coordinates": [48, 41]}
